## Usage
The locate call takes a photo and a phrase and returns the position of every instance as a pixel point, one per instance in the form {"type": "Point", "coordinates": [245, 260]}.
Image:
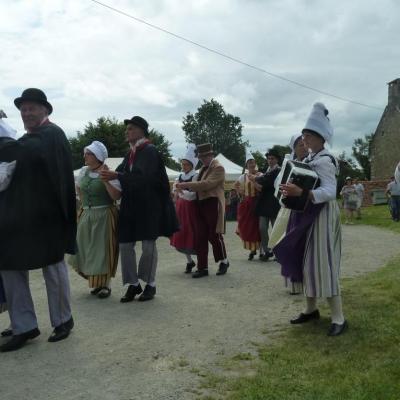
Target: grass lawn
{"type": "Point", "coordinates": [364, 363]}
{"type": "Point", "coordinates": [377, 216]}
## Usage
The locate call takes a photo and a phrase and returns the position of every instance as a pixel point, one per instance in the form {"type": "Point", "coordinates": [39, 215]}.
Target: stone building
{"type": "Point", "coordinates": [385, 150]}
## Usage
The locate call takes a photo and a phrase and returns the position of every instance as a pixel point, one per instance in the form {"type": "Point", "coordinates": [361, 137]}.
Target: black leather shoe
{"type": "Point", "coordinates": [7, 332]}
{"type": "Point", "coordinates": [148, 293]}
{"type": "Point", "coordinates": [18, 341]}
{"type": "Point", "coordinates": [223, 267]}
{"type": "Point", "coordinates": [305, 317]}
{"type": "Point", "coordinates": [131, 292]}
{"type": "Point", "coordinates": [264, 257]}
{"type": "Point", "coordinates": [69, 324]}
{"type": "Point", "coordinates": [251, 255]}
{"type": "Point", "coordinates": [104, 292]}
{"type": "Point", "coordinates": [200, 273]}
{"type": "Point", "coordinates": [337, 329]}
{"type": "Point", "coordinates": [95, 291]}
{"type": "Point", "coordinates": [62, 331]}
{"type": "Point", "coordinates": [189, 267]}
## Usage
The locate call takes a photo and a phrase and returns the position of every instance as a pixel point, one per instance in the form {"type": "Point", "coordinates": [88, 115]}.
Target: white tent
{"type": "Point", "coordinates": [232, 170]}
{"type": "Point", "coordinates": [113, 163]}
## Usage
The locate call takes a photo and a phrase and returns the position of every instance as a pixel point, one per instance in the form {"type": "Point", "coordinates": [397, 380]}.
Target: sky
{"type": "Point", "coordinates": [93, 62]}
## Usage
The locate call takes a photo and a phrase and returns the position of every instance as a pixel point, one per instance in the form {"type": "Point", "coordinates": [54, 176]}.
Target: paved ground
{"type": "Point", "coordinates": [154, 350]}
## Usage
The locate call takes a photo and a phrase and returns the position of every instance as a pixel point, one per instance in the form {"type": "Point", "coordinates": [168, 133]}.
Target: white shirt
{"type": "Point", "coordinates": [82, 172]}
{"type": "Point", "coordinates": [327, 172]}
{"type": "Point", "coordinates": [186, 194]}
{"type": "Point", "coordinates": [359, 189]}
{"type": "Point", "coordinates": [394, 188]}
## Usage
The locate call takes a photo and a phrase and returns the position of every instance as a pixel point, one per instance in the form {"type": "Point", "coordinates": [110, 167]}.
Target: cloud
{"type": "Point", "coordinates": [93, 62]}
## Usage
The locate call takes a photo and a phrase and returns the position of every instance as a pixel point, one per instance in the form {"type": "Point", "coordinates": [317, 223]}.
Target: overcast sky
{"type": "Point", "coordinates": [92, 62]}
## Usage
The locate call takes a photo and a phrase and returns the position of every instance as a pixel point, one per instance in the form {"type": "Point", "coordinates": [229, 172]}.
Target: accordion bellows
{"type": "Point", "coordinates": [300, 174]}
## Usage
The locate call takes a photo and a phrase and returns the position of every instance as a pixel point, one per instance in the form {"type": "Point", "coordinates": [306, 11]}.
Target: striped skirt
{"type": "Point", "coordinates": [321, 264]}
{"type": "Point", "coordinates": [97, 246]}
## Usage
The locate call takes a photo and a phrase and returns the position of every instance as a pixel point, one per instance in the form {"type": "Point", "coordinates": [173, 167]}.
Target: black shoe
{"type": "Point", "coordinates": [18, 341]}
{"type": "Point", "coordinates": [251, 255]}
{"type": "Point", "coordinates": [223, 267]}
{"type": "Point", "coordinates": [7, 332]}
{"type": "Point", "coordinates": [95, 291]}
{"type": "Point", "coordinates": [148, 293]}
{"type": "Point", "coordinates": [62, 331]}
{"type": "Point", "coordinates": [69, 324]}
{"type": "Point", "coordinates": [104, 292]}
{"type": "Point", "coordinates": [200, 273]}
{"type": "Point", "coordinates": [131, 292]}
{"type": "Point", "coordinates": [305, 317]}
{"type": "Point", "coordinates": [189, 267]}
{"type": "Point", "coordinates": [337, 329]}
{"type": "Point", "coordinates": [264, 257]}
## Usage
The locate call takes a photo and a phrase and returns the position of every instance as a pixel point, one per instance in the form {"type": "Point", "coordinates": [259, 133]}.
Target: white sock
{"type": "Point", "coordinates": [311, 305]}
{"type": "Point", "coordinates": [335, 304]}
{"type": "Point", "coordinates": [135, 284]}
{"type": "Point", "coordinates": [152, 284]}
{"type": "Point", "coordinates": [189, 258]}
{"type": "Point", "coordinates": [225, 261]}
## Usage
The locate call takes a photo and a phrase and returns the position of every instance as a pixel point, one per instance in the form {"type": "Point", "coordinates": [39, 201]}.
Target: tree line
{"type": "Point", "coordinates": [209, 124]}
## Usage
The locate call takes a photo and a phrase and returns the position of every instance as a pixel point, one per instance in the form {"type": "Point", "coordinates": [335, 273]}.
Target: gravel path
{"type": "Point", "coordinates": [155, 350]}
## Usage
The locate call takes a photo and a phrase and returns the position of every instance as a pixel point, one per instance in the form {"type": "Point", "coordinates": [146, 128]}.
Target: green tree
{"type": "Point", "coordinates": [106, 130]}
{"type": "Point", "coordinates": [347, 167]}
{"type": "Point", "coordinates": [112, 133]}
{"type": "Point", "coordinates": [362, 153]}
{"type": "Point", "coordinates": [158, 139]}
{"type": "Point", "coordinates": [211, 124]}
{"type": "Point", "coordinates": [282, 150]}
{"type": "Point", "coordinates": [260, 160]}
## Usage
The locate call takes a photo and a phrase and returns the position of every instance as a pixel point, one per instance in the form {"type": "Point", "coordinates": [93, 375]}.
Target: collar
{"type": "Point", "coordinates": [313, 156]}
{"type": "Point", "coordinates": [45, 121]}
{"type": "Point", "coordinates": [140, 143]}
{"type": "Point", "coordinates": [269, 169]}
{"type": "Point", "coordinates": [189, 175]}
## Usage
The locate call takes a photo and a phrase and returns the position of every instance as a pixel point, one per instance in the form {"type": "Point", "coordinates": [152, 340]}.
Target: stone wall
{"type": "Point", "coordinates": [369, 186]}
{"type": "Point", "coordinates": [385, 153]}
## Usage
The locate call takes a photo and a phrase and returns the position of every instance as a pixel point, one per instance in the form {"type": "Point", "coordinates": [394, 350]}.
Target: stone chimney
{"type": "Point", "coordinates": [394, 93]}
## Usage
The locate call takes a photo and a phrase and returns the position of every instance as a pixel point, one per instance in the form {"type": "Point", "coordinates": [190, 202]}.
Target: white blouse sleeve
{"type": "Point", "coordinates": [187, 194]}
{"type": "Point", "coordinates": [326, 172]}
{"type": "Point", "coordinates": [117, 184]}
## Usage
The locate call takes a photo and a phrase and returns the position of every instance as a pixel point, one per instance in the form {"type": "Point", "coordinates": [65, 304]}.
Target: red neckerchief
{"type": "Point", "coordinates": [132, 154]}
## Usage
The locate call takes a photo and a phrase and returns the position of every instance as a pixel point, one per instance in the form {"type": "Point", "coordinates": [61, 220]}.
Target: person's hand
{"type": "Point", "coordinates": [107, 175]}
{"type": "Point", "coordinates": [291, 190]}
{"type": "Point", "coordinates": [251, 177]}
{"type": "Point", "coordinates": [182, 185]}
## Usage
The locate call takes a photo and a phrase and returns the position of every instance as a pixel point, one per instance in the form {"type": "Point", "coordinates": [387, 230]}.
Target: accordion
{"type": "Point", "coordinates": [301, 175]}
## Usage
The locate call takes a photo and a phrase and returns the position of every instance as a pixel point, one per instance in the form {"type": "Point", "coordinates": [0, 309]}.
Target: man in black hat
{"type": "Point", "coordinates": [146, 211]}
{"type": "Point", "coordinates": [38, 220]}
{"type": "Point", "coordinates": [267, 205]}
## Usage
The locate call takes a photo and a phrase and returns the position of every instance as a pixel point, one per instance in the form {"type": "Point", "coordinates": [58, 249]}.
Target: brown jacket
{"type": "Point", "coordinates": [211, 184]}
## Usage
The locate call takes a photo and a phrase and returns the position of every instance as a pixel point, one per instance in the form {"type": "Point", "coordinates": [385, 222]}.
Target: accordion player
{"type": "Point", "coordinates": [301, 175]}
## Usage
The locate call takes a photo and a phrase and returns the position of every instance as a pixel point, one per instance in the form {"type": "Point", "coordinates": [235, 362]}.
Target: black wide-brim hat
{"type": "Point", "coordinates": [138, 121]}
{"type": "Point", "coordinates": [35, 95]}
{"type": "Point", "coordinates": [274, 153]}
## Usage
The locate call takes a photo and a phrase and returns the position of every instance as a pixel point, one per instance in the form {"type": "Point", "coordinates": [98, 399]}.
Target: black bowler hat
{"type": "Point", "coordinates": [274, 153]}
{"type": "Point", "coordinates": [35, 95]}
{"type": "Point", "coordinates": [138, 121]}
